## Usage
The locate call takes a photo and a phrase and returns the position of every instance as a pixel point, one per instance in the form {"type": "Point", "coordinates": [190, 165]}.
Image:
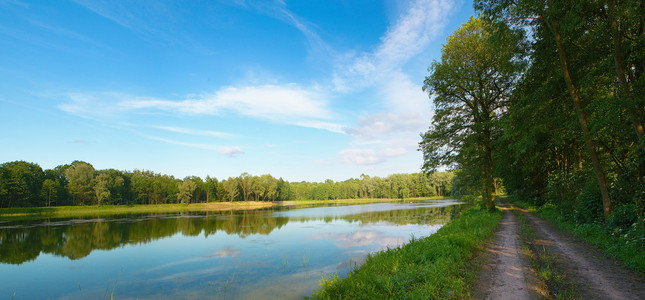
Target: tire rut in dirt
{"type": "Point", "coordinates": [595, 276]}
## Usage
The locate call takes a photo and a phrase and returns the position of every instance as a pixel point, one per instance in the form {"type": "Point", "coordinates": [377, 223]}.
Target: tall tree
{"type": "Point", "coordinates": [270, 187]}
{"type": "Point", "coordinates": [186, 190]}
{"type": "Point", "coordinates": [101, 191]}
{"type": "Point", "coordinates": [80, 176]}
{"type": "Point", "coordinates": [471, 86]}
{"type": "Point", "coordinates": [231, 187]}
{"type": "Point", "coordinates": [246, 185]}
{"type": "Point", "coordinates": [50, 190]}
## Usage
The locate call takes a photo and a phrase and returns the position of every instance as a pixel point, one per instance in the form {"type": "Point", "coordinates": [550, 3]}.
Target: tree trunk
{"type": "Point", "coordinates": [489, 173]}
{"type": "Point", "coordinates": [591, 148]}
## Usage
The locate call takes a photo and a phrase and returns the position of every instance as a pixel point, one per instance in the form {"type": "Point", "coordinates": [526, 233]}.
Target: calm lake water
{"type": "Point", "coordinates": [279, 253]}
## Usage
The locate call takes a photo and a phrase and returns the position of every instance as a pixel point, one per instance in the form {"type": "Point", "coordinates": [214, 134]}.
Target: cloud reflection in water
{"type": "Point", "coordinates": [362, 238]}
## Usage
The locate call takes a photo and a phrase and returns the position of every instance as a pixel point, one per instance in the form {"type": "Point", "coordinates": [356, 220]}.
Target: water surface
{"type": "Point", "coordinates": [276, 253]}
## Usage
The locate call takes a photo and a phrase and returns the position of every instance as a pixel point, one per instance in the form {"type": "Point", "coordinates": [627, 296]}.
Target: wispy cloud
{"type": "Point", "coordinates": [279, 9]}
{"type": "Point", "coordinates": [287, 104]}
{"type": "Point", "coordinates": [384, 135]}
{"type": "Point", "coordinates": [417, 26]}
{"type": "Point", "coordinates": [230, 151]}
{"type": "Point", "coordinates": [158, 21]}
{"type": "Point", "coordinates": [181, 143]}
{"type": "Point", "coordinates": [195, 131]}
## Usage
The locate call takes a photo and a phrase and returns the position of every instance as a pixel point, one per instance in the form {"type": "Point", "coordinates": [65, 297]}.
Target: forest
{"type": "Point", "coordinates": [547, 100]}
{"type": "Point", "coordinates": [25, 184]}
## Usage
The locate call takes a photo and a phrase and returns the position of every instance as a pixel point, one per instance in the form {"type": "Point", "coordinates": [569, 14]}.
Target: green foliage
{"type": "Point", "coordinates": [471, 85]}
{"type": "Point", "coordinates": [80, 176]}
{"type": "Point", "coordinates": [186, 190]}
{"type": "Point", "coordinates": [584, 48]}
{"type": "Point", "coordinates": [101, 188]}
{"type": "Point", "coordinates": [435, 267]}
{"type": "Point", "coordinates": [26, 185]}
{"type": "Point", "coordinates": [20, 184]}
{"type": "Point", "coordinates": [624, 217]}
{"type": "Point", "coordinates": [589, 207]}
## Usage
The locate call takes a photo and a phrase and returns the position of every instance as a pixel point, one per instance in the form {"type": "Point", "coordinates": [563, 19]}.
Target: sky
{"type": "Point", "coordinates": [303, 90]}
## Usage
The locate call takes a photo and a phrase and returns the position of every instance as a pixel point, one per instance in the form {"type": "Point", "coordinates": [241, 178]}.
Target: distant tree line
{"type": "Point", "coordinates": [25, 184]}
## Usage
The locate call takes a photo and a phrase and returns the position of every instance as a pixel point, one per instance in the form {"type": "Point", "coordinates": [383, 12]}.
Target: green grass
{"type": "Point", "coordinates": [107, 210]}
{"type": "Point", "coordinates": [439, 266]}
{"type": "Point", "coordinates": [628, 246]}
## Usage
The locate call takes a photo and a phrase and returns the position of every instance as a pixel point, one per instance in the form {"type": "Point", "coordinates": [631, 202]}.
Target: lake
{"type": "Point", "coordinates": [277, 253]}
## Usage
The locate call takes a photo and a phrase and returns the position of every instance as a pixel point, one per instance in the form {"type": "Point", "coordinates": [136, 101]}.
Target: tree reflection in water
{"type": "Point", "coordinates": [23, 241]}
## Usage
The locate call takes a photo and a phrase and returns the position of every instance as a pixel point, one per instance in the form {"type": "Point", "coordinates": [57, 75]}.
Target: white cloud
{"type": "Point", "coordinates": [333, 127]}
{"type": "Point", "coordinates": [287, 104]}
{"type": "Point", "coordinates": [383, 124]}
{"type": "Point", "coordinates": [384, 135]}
{"type": "Point", "coordinates": [401, 94]}
{"type": "Point", "coordinates": [366, 156]}
{"type": "Point", "coordinates": [362, 238]}
{"type": "Point", "coordinates": [230, 151]}
{"type": "Point", "coordinates": [273, 101]}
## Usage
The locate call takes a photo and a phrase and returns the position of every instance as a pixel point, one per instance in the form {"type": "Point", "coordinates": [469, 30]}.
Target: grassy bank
{"type": "Point", "coordinates": [624, 244]}
{"type": "Point", "coordinates": [106, 210]}
{"type": "Point", "coordinates": [438, 266]}
{"type": "Point", "coordinates": [353, 201]}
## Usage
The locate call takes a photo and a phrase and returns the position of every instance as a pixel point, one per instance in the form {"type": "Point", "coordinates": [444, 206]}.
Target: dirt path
{"type": "Point", "coordinates": [506, 273]}
{"type": "Point", "coordinates": [594, 275]}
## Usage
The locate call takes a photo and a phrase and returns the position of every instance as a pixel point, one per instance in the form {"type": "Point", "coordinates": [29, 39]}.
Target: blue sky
{"type": "Point", "coordinates": [303, 90]}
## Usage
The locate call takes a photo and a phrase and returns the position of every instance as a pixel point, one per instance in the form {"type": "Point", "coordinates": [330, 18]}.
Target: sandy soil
{"type": "Point", "coordinates": [217, 206]}
{"type": "Point", "coordinates": [505, 273]}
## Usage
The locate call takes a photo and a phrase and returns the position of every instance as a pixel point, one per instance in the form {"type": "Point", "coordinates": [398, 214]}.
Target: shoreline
{"type": "Point", "coordinates": [80, 211]}
{"type": "Point", "coordinates": [409, 271]}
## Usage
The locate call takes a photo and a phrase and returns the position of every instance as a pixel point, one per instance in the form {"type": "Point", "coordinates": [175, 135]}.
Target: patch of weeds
{"type": "Point", "coordinates": [544, 264]}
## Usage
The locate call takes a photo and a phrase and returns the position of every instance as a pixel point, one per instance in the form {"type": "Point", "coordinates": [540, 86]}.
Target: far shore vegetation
{"type": "Point", "coordinates": [106, 210]}
{"type": "Point", "coordinates": [27, 185]}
